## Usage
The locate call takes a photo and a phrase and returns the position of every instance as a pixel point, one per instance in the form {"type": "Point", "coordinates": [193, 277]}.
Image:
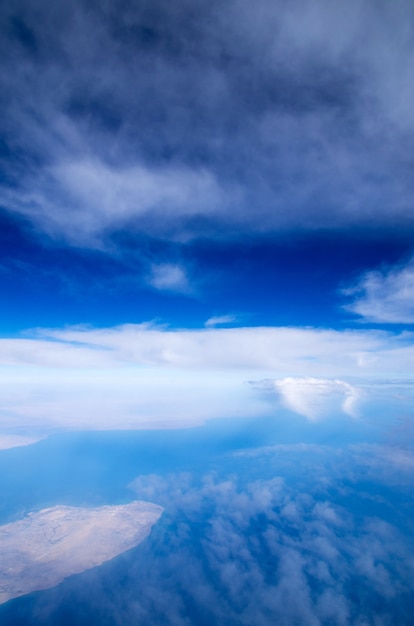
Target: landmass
{"type": "Point", "coordinates": [16, 441]}
{"type": "Point", "coordinates": [44, 548]}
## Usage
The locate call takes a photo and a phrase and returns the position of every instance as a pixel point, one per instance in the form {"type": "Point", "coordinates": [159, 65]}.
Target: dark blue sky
{"type": "Point", "coordinates": [288, 279]}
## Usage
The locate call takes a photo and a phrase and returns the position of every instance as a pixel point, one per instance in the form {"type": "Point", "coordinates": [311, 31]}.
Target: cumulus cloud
{"type": "Point", "coordinates": [384, 296]}
{"type": "Point", "coordinates": [292, 536]}
{"type": "Point", "coordinates": [317, 398]}
{"type": "Point", "coordinates": [276, 549]}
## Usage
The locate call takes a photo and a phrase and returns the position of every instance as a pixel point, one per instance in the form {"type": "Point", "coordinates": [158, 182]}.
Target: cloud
{"type": "Point", "coordinates": [123, 398]}
{"type": "Point", "coordinates": [197, 147]}
{"type": "Point", "coordinates": [140, 376]}
{"type": "Point", "coordinates": [283, 539]}
{"type": "Point", "coordinates": [317, 398]}
{"type": "Point", "coordinates": [384, 296]}
{"type": "Point", "coordinates": [285, 350]}
{"type": "Point", "coordinates": [169, 277]}
{"type": "Point", "coordinates": [220, 320]}
{"type": "Point", "coordinates": [286, 550]}
{"type": "Point", "coordinates": [390, 463]}
{"type": "Point", "coordinates": [83, 200]}
{"type": "Point", "coordinates": [15, 441]}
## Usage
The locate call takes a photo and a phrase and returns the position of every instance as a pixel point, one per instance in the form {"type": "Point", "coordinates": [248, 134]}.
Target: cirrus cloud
{"type": "Point", "coordinates": [241, 119]}
{"type": "Point", "coordinates": [384, 296]}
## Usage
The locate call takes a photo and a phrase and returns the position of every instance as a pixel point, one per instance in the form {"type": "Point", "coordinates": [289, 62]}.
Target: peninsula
{"type": "Point", "coordinates": [44, 548]}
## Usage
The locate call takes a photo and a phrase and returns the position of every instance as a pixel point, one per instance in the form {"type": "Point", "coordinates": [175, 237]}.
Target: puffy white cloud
{"type": "Point", "coordinates": [317, 398]}
{"type": "Point", "coordinates": [384, 296]}
{"type": "Point", "coordinates": [288, 549]}
{"type": "Point", "coordinates": [169, 277]}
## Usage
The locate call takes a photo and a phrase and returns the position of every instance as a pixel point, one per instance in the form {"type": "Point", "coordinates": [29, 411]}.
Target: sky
{"type": "Point", "coordinates": [206, 212]}
{"type": "Point", "coordinates": [207, 302]}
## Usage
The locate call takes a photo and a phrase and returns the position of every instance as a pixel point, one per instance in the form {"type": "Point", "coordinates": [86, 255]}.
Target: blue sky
{"type": "Point", "coordinates": [206, 211]}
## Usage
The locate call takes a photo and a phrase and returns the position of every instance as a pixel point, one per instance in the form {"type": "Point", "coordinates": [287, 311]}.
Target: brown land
{"type": "Point", "coordinates": [42, 549]}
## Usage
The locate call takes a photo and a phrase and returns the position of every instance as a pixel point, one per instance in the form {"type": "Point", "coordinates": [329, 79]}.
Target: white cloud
{"type": "Point", "coordinates": [386, 296]}
{"type": "Point", "coordinates": [169, 277]}
{"type": "Point", "coordinates": [43, 399]}
{"type": "Point", "coordinates": [317, 398]}
{"type": "Point", "coordinates": [140, 376]}
{"type": "Point", "coordinates": [314, 546]}
{"type": "Point", "coordinates": [219, 320]}
{"type": "Point", "coordinates": [81, 199]}
{"type": "Point", "coordinates": [285, 351]}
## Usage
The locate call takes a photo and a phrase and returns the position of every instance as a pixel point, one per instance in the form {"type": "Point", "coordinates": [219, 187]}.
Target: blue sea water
{"type": "Point", "coordinates": [264, 523]}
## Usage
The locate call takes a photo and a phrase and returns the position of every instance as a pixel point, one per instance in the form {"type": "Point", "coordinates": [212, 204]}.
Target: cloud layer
{"type": "Point", "coordinates": [288, 351]}
{"type": "Point", "coordinates": [287, 536]}
{"type": "Point", "coordinates": [140, 376]}
{"type": "Point", "coordinates": [216, 121]}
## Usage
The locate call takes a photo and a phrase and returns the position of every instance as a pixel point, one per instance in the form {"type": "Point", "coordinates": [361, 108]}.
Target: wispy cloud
{"type": "Point", "coordinates": [384, 296]}
{"type": "Point", "coordinates": [221, 320]}
{"type": "Point", "coordinates": [319, 138]}
{"type": "Point", "coordinates": [319, 353]}
{"type": "Point", "coordinates": [287, 350]}
{"type": "Point", "coordinates": [169, 277]}
{"type": "Point", "coordinates": [16, 441]}
{"type": "Point", "coordinates": [82, 200]}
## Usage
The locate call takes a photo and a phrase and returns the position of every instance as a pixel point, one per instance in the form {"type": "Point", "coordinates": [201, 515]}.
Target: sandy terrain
{"type": "Point", "coordinates": [42, 549]}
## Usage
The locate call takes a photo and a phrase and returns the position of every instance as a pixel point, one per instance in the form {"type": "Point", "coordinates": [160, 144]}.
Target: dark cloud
{"type": "Point", "coordinates": [247, 118]}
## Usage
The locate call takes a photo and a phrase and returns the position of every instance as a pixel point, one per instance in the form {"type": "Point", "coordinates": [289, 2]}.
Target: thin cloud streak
{"type": "Point", "coordinates": [221, 320]}
{"type": "Point", "coordinates": [285, 350]}
{"type": "Point", "coordinates": [290, 351]}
